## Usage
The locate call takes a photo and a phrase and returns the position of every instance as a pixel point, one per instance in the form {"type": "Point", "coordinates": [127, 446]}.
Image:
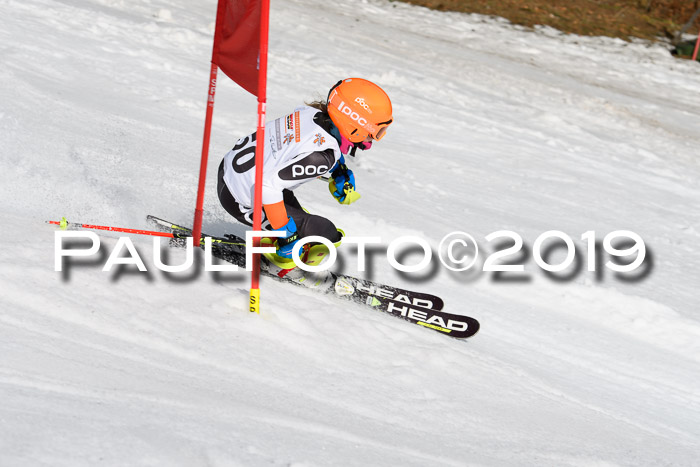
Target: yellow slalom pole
{"type": "Point", "coordinates": [255, 301]}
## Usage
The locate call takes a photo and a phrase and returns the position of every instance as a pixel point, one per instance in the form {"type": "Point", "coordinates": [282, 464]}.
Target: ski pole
{"type": "Point", "coordinates": [64, 224]}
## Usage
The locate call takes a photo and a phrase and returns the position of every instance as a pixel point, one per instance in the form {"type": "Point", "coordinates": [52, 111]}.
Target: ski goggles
{"type": "Point", "coordinates": [378, 131]}
{"type": "Point", "coordinates": [381, 131]}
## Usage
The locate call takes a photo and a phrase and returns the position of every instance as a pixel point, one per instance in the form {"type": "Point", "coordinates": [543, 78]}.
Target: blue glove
{"type": "Point", "coordinates": [342, 185]}
{"type": "Point", "coordinates": [285, 244]}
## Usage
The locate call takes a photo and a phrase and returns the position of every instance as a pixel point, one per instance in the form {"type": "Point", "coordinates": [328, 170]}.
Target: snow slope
{"type": "Point", "coordinates": [496, 127]}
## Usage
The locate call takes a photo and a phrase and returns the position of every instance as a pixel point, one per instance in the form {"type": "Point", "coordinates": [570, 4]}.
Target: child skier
{"type": "Point", "coordinates": [310, 142]}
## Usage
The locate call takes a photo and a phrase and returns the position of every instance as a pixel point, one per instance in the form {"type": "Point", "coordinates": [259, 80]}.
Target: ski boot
{"type": "Point", "coordinates": [284, 268]}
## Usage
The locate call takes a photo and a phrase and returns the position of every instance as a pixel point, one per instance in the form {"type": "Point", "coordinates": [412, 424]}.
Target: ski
{"type": "Point", "coordinates": [417, 307]}
{"type": "Point", "coordinates": [457, 326]}
{"type": "Point", "coordinates": [231, 248]}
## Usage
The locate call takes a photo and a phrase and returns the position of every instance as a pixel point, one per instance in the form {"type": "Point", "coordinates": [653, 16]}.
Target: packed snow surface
{"type": "Point", "coordinates": [496, 128]}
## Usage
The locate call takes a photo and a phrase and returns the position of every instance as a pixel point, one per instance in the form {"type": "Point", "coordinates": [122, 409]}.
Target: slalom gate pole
{"type": "Point", "coordinates": [697, 46]}
{"type": "Point", "coordinates": [199, 209]}
{"type": "Point", "coordinates": [64, 224]}
{"type": "Point", "coordinates": [259, 153]}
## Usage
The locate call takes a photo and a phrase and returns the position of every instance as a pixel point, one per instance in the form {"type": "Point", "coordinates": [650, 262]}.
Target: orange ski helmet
{"type": "Point", "coordinates": [359, 108]}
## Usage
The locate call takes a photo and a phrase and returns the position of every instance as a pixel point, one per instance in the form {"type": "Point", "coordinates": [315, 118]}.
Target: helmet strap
{"type": "Point", "coordinates": [365, 145]}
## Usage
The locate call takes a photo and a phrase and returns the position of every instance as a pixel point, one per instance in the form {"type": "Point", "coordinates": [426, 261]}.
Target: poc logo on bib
{"type": "Point", "coordinates": [353, 115]}
{"type": "Point", "coordinates": [308, 170]}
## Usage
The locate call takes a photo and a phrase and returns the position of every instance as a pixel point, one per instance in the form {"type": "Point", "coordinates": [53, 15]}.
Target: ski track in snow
{"type": "Point", "coordinates": [496, 127]}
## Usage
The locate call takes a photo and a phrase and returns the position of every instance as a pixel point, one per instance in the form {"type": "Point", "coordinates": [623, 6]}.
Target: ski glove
{"type": "Point", "coordinates": [342, 185]}
{"type": "Point", "coordinates": [285, 244]}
